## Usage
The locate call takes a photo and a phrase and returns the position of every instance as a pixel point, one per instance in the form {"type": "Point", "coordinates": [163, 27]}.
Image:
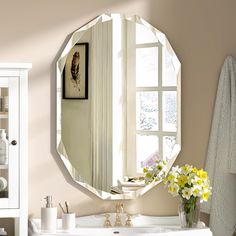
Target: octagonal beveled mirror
{"type": "Point", "coordinates": [118, 104]}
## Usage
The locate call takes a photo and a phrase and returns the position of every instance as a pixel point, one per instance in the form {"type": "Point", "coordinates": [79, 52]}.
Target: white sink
{"type": "Point", "coordinates": [117, 231]}
{"type": "Point", "coordinates": [142, 225]}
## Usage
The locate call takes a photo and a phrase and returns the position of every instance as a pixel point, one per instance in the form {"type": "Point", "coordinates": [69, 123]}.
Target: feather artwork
{"type": "Point", "coordinates": [75, 64]}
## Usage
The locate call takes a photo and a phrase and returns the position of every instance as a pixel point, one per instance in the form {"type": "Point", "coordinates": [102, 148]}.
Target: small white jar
{"type": "Point", "coordinates": [68, 222]}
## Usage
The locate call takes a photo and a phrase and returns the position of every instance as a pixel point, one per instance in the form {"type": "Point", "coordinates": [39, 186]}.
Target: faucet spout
{"type": "Point", "coordinates": [119, 210]}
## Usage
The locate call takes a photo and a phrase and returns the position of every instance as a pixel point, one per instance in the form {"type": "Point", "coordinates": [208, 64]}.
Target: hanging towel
{"type": "Point", "coordinates": [221, 156]}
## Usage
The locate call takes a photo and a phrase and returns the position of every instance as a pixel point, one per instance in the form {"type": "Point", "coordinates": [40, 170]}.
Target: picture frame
{"type": "Point", "coordinates": [75, 73]}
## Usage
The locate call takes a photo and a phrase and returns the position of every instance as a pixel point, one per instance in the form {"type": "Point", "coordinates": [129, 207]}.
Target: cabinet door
{"type": "Point", "coordinates": [9, 143]}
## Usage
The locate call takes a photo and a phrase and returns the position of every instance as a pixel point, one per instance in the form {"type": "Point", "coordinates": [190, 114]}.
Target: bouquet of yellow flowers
{"type": "Point", "coordinates": [187, 182]}
{"type": "Point", "coordinates": [192, 185]}
{"type": "Point", "coordinates": [155, 172]}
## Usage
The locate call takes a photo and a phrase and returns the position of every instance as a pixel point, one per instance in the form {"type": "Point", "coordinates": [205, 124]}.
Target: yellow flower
{"type": "Point", "coordinates": [199, 182]}
{"type": "Point", "coordinates": [182, 180]}
{"type": "Point", "coordinates": [186, 193]}
{"type": "Point", "coordinates": [165, 180]}
{"type": "Point", "coordinates": [202, 174]}
{"type": "Point", "coordinates": [171, 178]}
{"type": "Point", "coordinates": [196, 192]}
{"type": "Point", "coordinates": [145, 170]}
{"type": "Point", "coordinates": [205, 196]}
{"type": "Point", "coordinates": [148, 175]}
{"type": "Point", "coordinates": [164, 162]}
{"type": "Point", "coordinates": [194, 170]}
{"type": "Point", "coordinates": [159, 167]}
{"type": "Point", "coordinates": [191, 178]}
{"type": "Point", "coordinates": [173, 189]}
{"type": "Point", "coordinates": [186, 169]}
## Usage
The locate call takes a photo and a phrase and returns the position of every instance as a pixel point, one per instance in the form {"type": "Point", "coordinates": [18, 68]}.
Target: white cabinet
{"type": "Point", "coordinates": [14, 119]}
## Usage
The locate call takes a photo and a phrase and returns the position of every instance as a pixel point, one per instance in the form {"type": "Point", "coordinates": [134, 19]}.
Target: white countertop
{"type": "Point", "coordinates": [143, 225]}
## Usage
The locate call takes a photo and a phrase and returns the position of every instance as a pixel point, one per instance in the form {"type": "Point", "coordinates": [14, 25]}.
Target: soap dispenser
{"type": "Point", "coordinates": [49, 216]}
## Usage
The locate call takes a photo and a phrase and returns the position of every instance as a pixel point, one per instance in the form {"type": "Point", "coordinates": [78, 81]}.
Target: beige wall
{"type": "Point", "coordinates": [75, 124]}
{"type": "Point", "coordinates": [202, 33]}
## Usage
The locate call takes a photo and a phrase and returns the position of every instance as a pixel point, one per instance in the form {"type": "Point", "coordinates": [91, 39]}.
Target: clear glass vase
{"type": "Point", "coordinates": [189, 212]}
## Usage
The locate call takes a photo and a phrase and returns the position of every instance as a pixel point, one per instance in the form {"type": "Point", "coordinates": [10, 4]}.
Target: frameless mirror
{"type": "Point", "coordinates": [118, 105]}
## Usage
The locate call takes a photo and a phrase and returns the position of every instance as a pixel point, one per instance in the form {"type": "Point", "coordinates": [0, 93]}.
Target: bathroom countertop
{"type": "Point", "coordinates": [143, 225]}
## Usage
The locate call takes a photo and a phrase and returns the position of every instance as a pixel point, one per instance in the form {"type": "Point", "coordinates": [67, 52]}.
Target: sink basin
{"type": "Point", "coordinates": [142, 226]}
{"type": "Point", "coordinates": [117, 231]}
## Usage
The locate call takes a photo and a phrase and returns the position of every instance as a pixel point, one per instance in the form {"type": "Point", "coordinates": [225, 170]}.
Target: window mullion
{"type": "Point", "coordinates": [141, 89]}
{"type": "Point", "coordinates": [160, 116]}
{"type": "Point", "coordinates": [157, 133]}
{"type": "Point", "coordinates": [147, 45]}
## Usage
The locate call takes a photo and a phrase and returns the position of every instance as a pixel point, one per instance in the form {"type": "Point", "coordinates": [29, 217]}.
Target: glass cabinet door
{"type": "Point", "coordinates": [9, 138]}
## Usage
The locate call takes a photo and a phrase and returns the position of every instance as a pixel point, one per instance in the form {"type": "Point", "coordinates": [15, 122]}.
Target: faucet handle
{"type": "Point", "coordinates": [128, 222]}
{"type": "Point", "coordinates": [107, 222]}
{"type": "Point", "coordinates": [118, 222]}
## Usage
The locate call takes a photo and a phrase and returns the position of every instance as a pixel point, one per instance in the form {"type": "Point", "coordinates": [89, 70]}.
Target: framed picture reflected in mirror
{"type": "Point", "coordinates": [75, 74]}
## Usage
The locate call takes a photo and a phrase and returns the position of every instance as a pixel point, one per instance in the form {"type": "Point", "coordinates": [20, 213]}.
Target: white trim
{"type": "Point", "coordinates": [15, 66]}
{"type": "Point", "coordinates": [13, 134]}
{"type": "Point", "coordinates": [10, 213]}
{"type": "Point", "coordinates": [23, 165]}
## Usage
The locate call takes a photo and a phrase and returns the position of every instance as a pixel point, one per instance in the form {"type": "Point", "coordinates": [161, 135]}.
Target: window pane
{"type": "Point", "coordinates": [168, 145]}
{"type": "Point", "coordinates": [169, 111]}
{"type": "Point", "coordinates": [147, 67]}
{"type": "Point", "coordinates": [147, 147]}
{"type": "Point", "coordinates": [169, 76]}
{"type": "Point", "coordinates": [144, 35]}
{"type": "Point", "coordinates": [147, 110]}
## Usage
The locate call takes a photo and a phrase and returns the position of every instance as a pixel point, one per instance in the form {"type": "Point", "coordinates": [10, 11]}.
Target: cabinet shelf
{"type": "Point", "coordinates": [3, 167]}
{"type": "Point", "coordinates": [3, 115]}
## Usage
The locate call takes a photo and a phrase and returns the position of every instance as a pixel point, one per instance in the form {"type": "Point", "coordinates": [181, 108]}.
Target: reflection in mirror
{"type": "Point", "coordinates": [131, 117]}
